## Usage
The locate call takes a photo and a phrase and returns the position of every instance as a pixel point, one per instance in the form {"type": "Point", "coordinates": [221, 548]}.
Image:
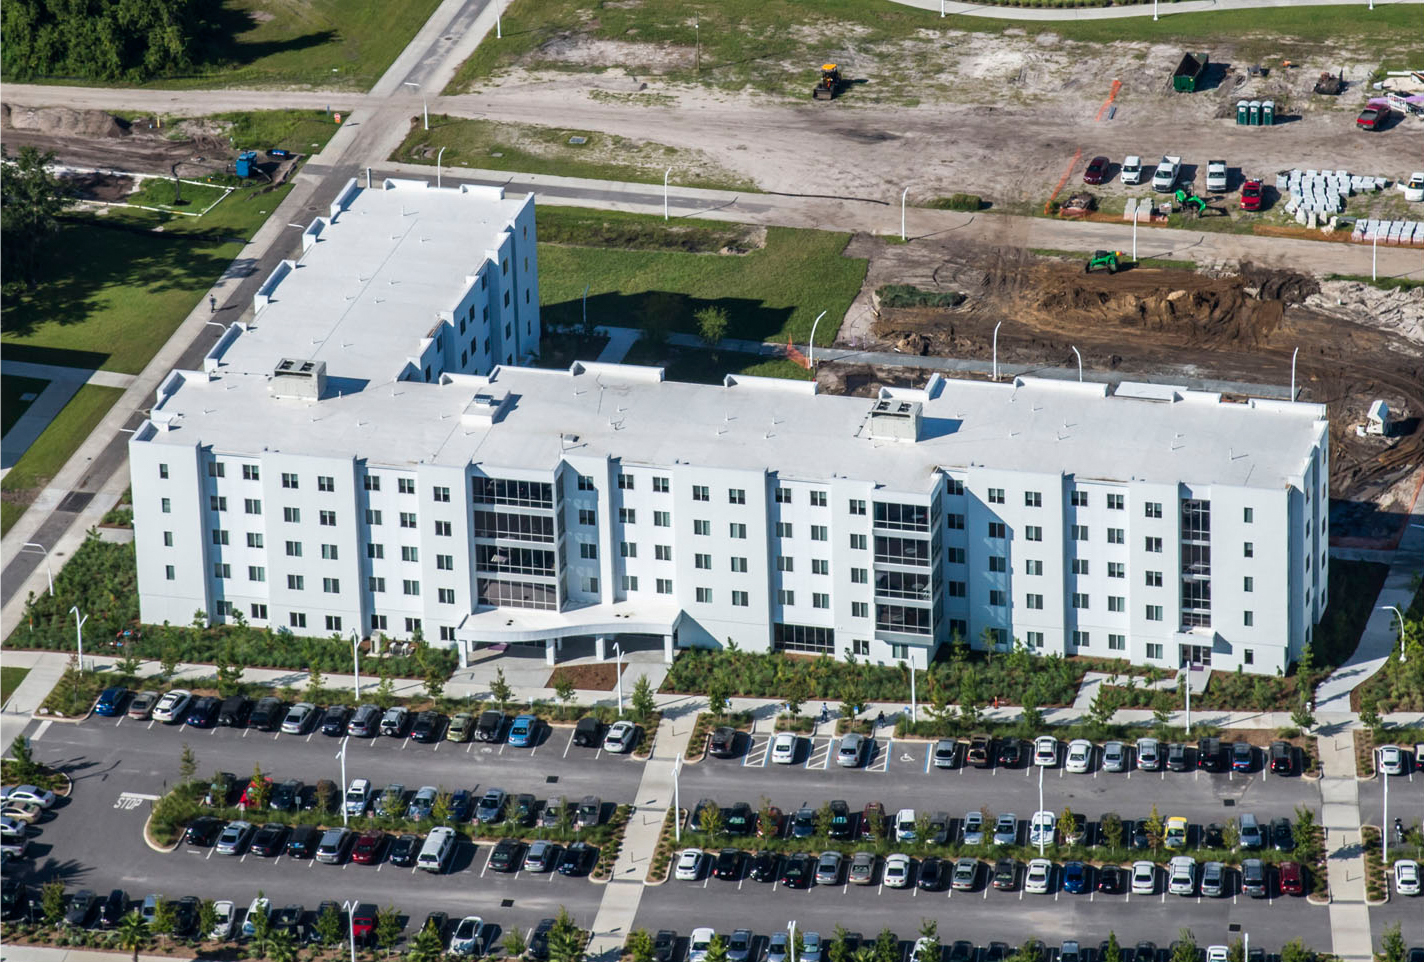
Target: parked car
{"type": "Point", "coordinates": [428, 727]}
{"type": "Point", "coordinates": [141, 707]}
{"type": "Point", "coordinates": [1242, 756]}
{"type": "Point", "coordinates": [664, 943]}
{"type": "Point", "coordinates": [589, 813]}
{"type": "Point", "coordinates": [946, 753]}
{"type": "Point", "coordinates": [1182, 875]}
{"type": "Point", "coordinates": [1006, 829]}
{"type": "Point", "coordinates": [223, 912]}
{"type": "Point", "coordinates": [1213, 880]}
{"type": "Point", "coordinates": [722, 743]}
{"type": "Point", "coordinates": [524, 731]}
{"type": "Point", "coordinates": [872, 820]}
{"type": "Point", "coordinates": [394, 721]}
{"type": "Point", "coordinates": [1149, 755]}
{"type": "Point", "coordinates": [797, 870]}
{"type": "Point", "coordinates": [739, 946]}
{"type": "Point", "coordinates": [1112, 880]}
{"type": "Point", "coordinates": [1282, 838]}
{"type": "Point", "coordinates": [1216, 180]}
{"type": "Point", "coordinates": [621, 737]}
{"type": "Point", "coordinates": [491, 806]}
{"type": "Point", "coordinates": [1075, 877]}
{"type": "Point", "coordinates": [270, 840]}
{"type": "Point", "coordinates": [783, 748]}
{"type": "Point", "coordinates": [234, 838]}
{"type": "Point", "coordinates": [1175, 833]}
{"type": "Point", "coordinates": [1292, 878]}
{"type": "Point", "coordinates": [698, 944]}
{"type": "Point", "coordinates": [358, 796]}
{"type": "Point", "coordinates": [83, 906]}
{"type": "Point", "coordinates": [764, 866]}
{"type": "Point", "coordinates": [577, 858]}
{"type": "Point", "coordinates": [287, 796]}
{"type": "Point", "coordinates": [335, 845]}
{"type": "Point", "coordinates": [862, 868]}
{"type": "Point", "coordinates": [778, 948]}
{"type": "Point", "coordinates": [489, 726]}
{"type": "Point", "coordinates": [1209, 754]}
{"type": "Point", "coordinates": [113, 909]}
{"type": "Point", "coordinates": [852, 750]}
{"type": "Point", "coordinates": [1251, 195]}
{"type": "Point", "coordinates": [1391, 759]}
{"type": "Point", "coordinates": [506, 856]}
{"type": "Point", "coordinates": [334, 720]}
{"type": "Point", "coordinates": [1253, 878]}
{"type": "Point", "coordinates": [1131, 173]}
{"type": "Point", "coordinates": [365, 722]}
{"type": "Point", "coordinates": [966, 875]}
{"type": "Point", "coordinates": [1080, 756]}
{"type": "Point", "coordinates": [203, 831]}
{"type": "Point", "coordinates": [1406, 876]}
{"type": "Point", "coordinates": [421, 803]}
{"type": "Point", "coordinates": [260, 906]}
{"type": "Point", "coordinates": [111, 701]}
{"type": "Point", "coordinates": [1045, 751]}
{"type": "Point", "coordinates": [172, 706]}
{"type": "Point", "coordinates": [1282, 758]}
{"type": "Point", "coordinates": [1010, 752]}
{"type": "Point", "coordinates": [368, 847]}
{"type": "Point", "coordinates": [1177, 760]}
{"type": "Point", "coordinates": [266, 714]}
{"type": "Point", "coordinates": [971, 829]}
{"type": "Point", "coordinates": [1250, 832]}
{"type": "Point", "coordinates": [1114, 757]}
{"type": "Point", "coordinates": [1144, 878]}
{"type": "Point", "coordinates": [1097, 170]}
{"type": "Point", "coordinates": [981, 751]}
{"type": "Point", "coordinates": [897, 871]}
{"type": "Point", "coordinates": [303, 840]}
{"type": "Point", "coordinates": [1373, 117]}
{"type": "Point", "coordinates": [469, 937]}
{"type": "Point", "coordinates": [1006, 874]}
{"type": "Point", "coordinates": [541, 857]}
{"type": "Point", "coordinates": [1042, 828]}
{"type": "Point", "coordinates": [462, 726]}
{"type": "Point", "coordinates": [1038, 877]}
{"type": "Point", "coordinates": [828, 868]}
{"type": "Point", "coordinates": [299, 718]}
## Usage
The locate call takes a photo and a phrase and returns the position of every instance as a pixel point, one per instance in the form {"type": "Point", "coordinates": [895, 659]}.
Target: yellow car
{"type": "Point", "coordinates": [1176, 834]}
{"type": "Point", "coordinates": [26, 812]}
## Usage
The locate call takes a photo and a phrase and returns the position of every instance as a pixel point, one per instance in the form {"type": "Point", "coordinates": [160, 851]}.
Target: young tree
{"type": "Point", "coordinates": [187, 764]}
{"type": "Point", "coordinates": [328, 926]}
{"type": "Point", "coordinates": [565, 939]}
{"type": "Point", "coordinates": [229, 670]}
{"type": "Point", "coordinates": [207, 918]}
{"type": "Point", "coordinates": [315, 681]}
{"type": "Point", "coordinates": [1301, 716]}
{"type": "Point", "coordinates": [1295, 951]}
{"type": "Point", "coordinates": [1155, 829]}
{"type": "Point", "coordinates": [429, 946]}
{"type": "Point", "coordinates": [514, 944]}
{"type": "Point", "coordinates": [500, 690]}
{"type": "Point", "coordinates": [643, 703]}
{"type": "Point", "coordinates": [795, 690]}
{"type": "Point", "coordinates": [712, 325]}
{"type": "Point", "coordinates": [717, 949]}
{"type": "Point", "coordinates": [1161, 708]}
{"type": "Point", "coordinates": [1185, 948]}
{"type": "Point", "coordinates": [1369, 711]}
{"type": "Point", "coordinates": [929, 947]}
{"type": "Point", "coordinates": [887, 946]}
{"type": "Point", "coordinates": [1231, 835]}
{"type": "Point", "coordinates": [133, 933]}
{"type": "Point", "coordinates": [1031, 718]}
{"type": "Point", "coordinates": [1112, 952]}
{"type": "Point", "coordinates": [442, 808]}
{"type": "Point", "coordinates": [260, 789]}
{"type": "Point", "coordinates": [824, 818]}
{"type": "Point", "coordinates": [1392, 947]}
{"type": "Point", "coordinates": [1303, 831]}
{"type": "Point", "coordinates": [1067, 823]}
{"type": "Point", "coordinates": [564, 689]}
{"type": "Point", "coordinates": [388, 927]}
{"type": "Point", "coordinates": [168, 661]}
{"type": "Point", "coordinates": [922, 828]}
{"type": "Point", "coordinates": [22, 760]}
{"type": "Point", "coordinates": [434, 679]}
{"type": "Point", "coordinates": [52, 902]}
{"type": "Point", "coordinates": [282, 946]}
{"type": "Point", "coordinates": [717, 695]}
{"type": "Point", "coordinates": [128, 662]}
{"type": "Point", "coordinates": [165, 919]}
{"type": "Point", "coordinates": [713, 824]}
{"type": "Point", "coordinates": [766, 819]}
{"type": "Point", "coordinates": [839, 948]}
{"type": "Point", "coordinates": [1111, 827]}
{"type": "Point", "coordinates": [385, 695]}
{"type": "Point", "coordinates": [640, 945]}
{"type": "Point", "coordinates": [1104, 705]}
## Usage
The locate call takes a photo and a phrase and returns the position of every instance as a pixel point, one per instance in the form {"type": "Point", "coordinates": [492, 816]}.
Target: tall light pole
{"type": "Point", "coordinates": [1384, 818]}
{"type": "Point", "coordinates": [903, 194]}
{"type": "Point", "coordinates": [914, 712]}
{"type": "Point", "coordinates": [1401, 629]}
{"type": "Point", "coordinates": [437, 166]}
{"type": "Point", "coordinates": [79, 633]}
{"type": "Point", "coordinates": [666, 174]}
{"type": "Point", "coordinates": [48, 572]}
{"type": "Point", "coordinates": [498, 27]}
{"type": "Point", "coordinates": [676, 799]}
{"type": "Point", "coordinates": [350, 907]}
{"type": "Point", "coordinates": [425, 105]}
{"type": "Point", "coordinates": [618, 672]}
{"type": "Point", "coordinates": [1374, 247]}
{"type": "Point", "coordinates": [1135, 212]}
{"type": "Point", "coordinates": [1040, 808]}
{"type": "Point", "coordinates": [342, 755]}
{"type": "Point", "coordinates": [1154, 8]}
{"type": "Point", "coordinates": [811, 347]}
{"type": "Point", "coordinates": [996, 350]}
{"type": "Point", "coordinates": [791, 940]}
{"type": "Point", "coordinates": [1293, 356]}
{"type": "Point", "coordinates": [1080, 364]}
{"type": "Point", "coordinates": [356, 665]}
{"type": "Point", "coordinates": [1187, 685]}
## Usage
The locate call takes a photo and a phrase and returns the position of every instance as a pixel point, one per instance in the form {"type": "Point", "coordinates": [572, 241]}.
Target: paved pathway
{"type": "Point", "coordinates": [620, 341]}
{"type": "Point", "coordinates": [1146, 9]}
{"type": "Point", "coordinates": [1340, 817]}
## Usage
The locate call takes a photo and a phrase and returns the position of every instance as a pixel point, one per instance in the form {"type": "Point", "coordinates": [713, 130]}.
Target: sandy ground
{"type": "Point", "coordinates": [95, 139]}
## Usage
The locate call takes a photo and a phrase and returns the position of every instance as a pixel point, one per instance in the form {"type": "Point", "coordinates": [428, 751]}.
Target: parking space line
{"type": "Point", "coordinates": [487, 861]}
{"type": "Point", "coordinates": [929, 756]}
{"type": "Point", "coordinates": [568, 745]}
{"type": "Point", "coordinates": [119, 722]}
{"type": "Point", "coordinates": [154, 722]}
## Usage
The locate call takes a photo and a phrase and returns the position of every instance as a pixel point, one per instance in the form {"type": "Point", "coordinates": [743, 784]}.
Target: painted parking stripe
{"type": "Point", "coordinates": [881, 761]}
{"type": "Point", "coordinates": [568, 744]}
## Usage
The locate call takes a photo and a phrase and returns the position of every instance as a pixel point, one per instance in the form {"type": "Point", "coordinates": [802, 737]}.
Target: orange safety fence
{"type": "Point", "coordinates": [1112, 95]}
{"type": "Point", "coordinates": [796, 355]}
{"type": "Point", "coordinates": [1064, 179]}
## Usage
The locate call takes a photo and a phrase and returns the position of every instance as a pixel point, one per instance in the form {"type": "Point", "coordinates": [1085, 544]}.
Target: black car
{"type": "Point", "coordinates": [539, 940]}
{"type": "Point", "coordinates": [524, 806]}
{"type": "Point", "coordinates": [1145, 952]}
{"type": "Point", "coordinates": [723, 742]}
{"type": "Point", "coordinates": [13, 897]}
{"type": "Point", "coordinates": [740, 819]}
{"type": "Point", "coordinates": [1111, 880]}
{"type": "Point", "coordinates": [234, 711]}
{"type": "Point", "coordinates": [1010, 751]}
{"type": "Point", "coordinates": [664, 943]}
{"type": "Point", "coordinates": [115, 907]}
{"type": "Point", "coordinates": [1282, 838]}
{"type": "Point", "coordinates": [1243, 756]}
{"type": "Point", "coordinates": [313, 934]}
{"type": "Point", "coordinates": [203, 830]}
{"type": "Point", "coordinates": [404, 850]}
{"type": "Point", "coordinates": [577, 859]}
{"type": "Point", "coordinates": [267, 714]}
{"type": "Point", "coordinates": [506, 855]}
{"type": "Point", "coordinates": [289, 919]}
{"type": "Point", "coordinates": [763, 867]}
{"type": "Point", "coordinates": [588, 733]}
{"type": "Point", "coordinates": [489, 726]}
{"type": "Point", "coordinates": [841, 824]}
{"type": "Point", "coordinates": [961, 951]}
{"type": "Point", "coordinates": [270, 840]}
{"type": "Point", "coordinates": [334, 720]}
{"type": "Point", "coordinates": [287, 797]}
{"type": "Point", "coordinates": [324, 795]}
{"type": "Point", "coordinates": [1209, 755]}
{"type": "Point", "coordinates": [1006, 874]}
{"type": "Point", "coordinates": [729, 865]}
{"type": "Point", "coordinates": [83, 906]}
{"type": "Point", "coordinates": [1136, 833]}
{"type": "Point", "coordinates": [798, 871]}
{"type": "Point", "coordinates": [303, 840]}
{"type": "Point", "coordinates": [933, 872]}
{"type": "Point", "coordinates": [185, 916]}
{"type": "Point", "coordinates": [428, 726]}
{"type": "Point", "coordinates": [1283, 758]}
{"type": "Point", "coordinates": [203, 713]}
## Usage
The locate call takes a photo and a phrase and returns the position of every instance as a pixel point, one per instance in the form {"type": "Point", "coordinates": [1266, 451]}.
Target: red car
{"type": "Point", "coordinates": [1251, 195]}
{"type": "Point", "coordinates": [363, 922]}
{"type": "Point", "coordinates": [1292, 879]}
{"type": "Point", "coordinates": [1097, 171]}
{"type": "Point", "coordinates": [778, 819]}
{"type": "Point", "coordinates": [871, 816]}
{"type": "Point", "coordinates": [368, 847]}
{"type": "Point", "coordinates": [1372, 117]}
{"type": "Point", "coordinates": [245, 801]}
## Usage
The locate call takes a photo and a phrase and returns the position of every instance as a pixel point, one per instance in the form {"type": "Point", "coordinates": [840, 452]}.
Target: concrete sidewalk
{"type": "Point", "coordinates": [1145, 9]}
{"type": "Point", "coordinates": [1340, 817]}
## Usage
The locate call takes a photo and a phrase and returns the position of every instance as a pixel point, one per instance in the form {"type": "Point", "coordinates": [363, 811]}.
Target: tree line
{"type": "Point", "coordinates": [132, 40]}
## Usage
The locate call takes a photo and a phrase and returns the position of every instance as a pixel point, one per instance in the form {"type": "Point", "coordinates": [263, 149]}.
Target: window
{"type": "Point", "coordinates": [446, 596]}
{"type": "Point", "coordinates": [784, 529]}
{"type": "Point", "coordinates": [858, 541]}
{"type": "Point", "coordinates": [662, 519]}
{"type": "Point", "coordinates": [375, 551]}
{"type": "Point", "coordinates": [219, 536]}
{"type": "Point", "coordinates": [704, 596]}
{"type": "Point", "coordinates": [735, 530]}
{"type": "Point", "coordinates": [407, 519]}
{"type": "Point", "coordinates": [1033, 601]}
{"type": "Point", "coordinates": [249, 473]}
{"type": "Point", "coordinates": [627, 516]}
{"type": "Point", "coordinates": [1033, 532]}
{"type": "Point", "coordinates": [222, 570]}
{"type": "Point", "coordinates": [585, 483]}
{"type": "Point", "coordinates": [740, 599]}
{"type": "Point", "coordinates": [703, 561]}
{"type": "Point", "coordinates": [410, 553]}
{"type": "Point", "coordinates": [296, 583]}
{"type": "Point", "coordinates": [1154, 612]}
{"type": "Point", "coordinates": [1080, 639]}
{"type": "Point", "coordinates": [412, 625]}
{"type": "Point", "coordinates": [259, 612]}
{"type": "Point", "coordinates": [1153, 545]}
{"type": "Point", "coordinates": [786, 596]}
{"type": "Point", "coordinates": [820, 600]}
{"type": "Point", "coordinates": [700, 492]}
{"type": "Point", "coordinates": [372, 482]}
{"type": "Point", "coordinates": [215, 469]}
{"type": "Point", "coordinates": [1154, 651]}
{"type": "Point", "coordinates": [736, 496]}
{"type": "Point", "coordinates": [165, 505]}
{"type": "Point", "coordinates": [373, 516]}
{"type": "Point", "coordinates": [820, 532]}
{"type": "Point", "coordinates": [1248, 618]}
{"type": "Point", "coordinates": [168, 539]}
{"type": "Point", "coordinates": [1248, 655]}
{"type": "Point", "coordinates": [1117, 603]}
{"type": "Point", "coordinates": [328, 518]}
{"type": "Point", "coordinates": [289, 480]}
{"type": "Point", "coordinates": [630, 582]}
{"type": "Point", "coordinates": [1080, 599]}
{"type": "Point", "coordinates": [1033, 567]}
{"type": "Point", "coordinates": [998, 563]}
{"type": "Point", "coordinates": [739, 565]}
{"type": "Point", "coordinates": [1154, 579]}
{"type": "Point", "coordinates": [1079, 499]}
{"type": "Point", "coordinates": [701, 527]}
{"type": "Point", "coordinates": [664, 586]}
{"type": "Point", "coordinates": [899, 652]}
{"type": "Point", "coordinates": [445, 562]}
{"type": "Point", "coordinates": [324, 483]}
{"type": "Point", "coordinates": [628, 549]}
{"type": "Point", "coordinates": [587, 516]}
{"type": "Point", "coordinates": [1248, 515]}
{"type": "Point", "coordinates": [1117, 642]}
{"type": "Point", "coordinates": [1080, 532]}
{"type": "Point", "coordinates": [1116, 569]}
{"type": "Point", "coordinates": [818, 499]}
{"type": "Point", "coordinates": [820, 566]}
{"type": "Point", "coordinates": [1081, 566]}
{"type": "Point", "coordinates": [163, 471]}
{"type": "Point", "coordinates": [1152, 509]}
{"type": "Point", "coordinates": [857, 507]}
{"type": "Point", "coordinates": [997, 529]}
{"type": "Point", "coordinates": [625, 482]}
{"type": "Point", "coordinates": [217, 502]}
{"type": "Point", "coordinates": [447, 633]}
{"type": "Point", "coordinates": [1034, 639]}
{"type": "Point", "coordinates": [410, 587]}
{"type": "Point", "coordinates": [442, 529]}
{"type": "Point", "coordinates": [1033, 499]}
{"type": "Point", "coordinates": [860, 646]}
{"type": "Point", "coordinates": [297, 619]}
{"type": "Point", "coordinates": [860, 609]}
{"type": "Point", "coordinates": [660, 485]}
{"type": "Point", "coordinates": [294, 549]}
{"type": "Point", "coordinates": [1249, 549]}
{"type": "Point", "coordinates": [168, 572]}
{"type": "Point", "coordinates": [405, 485]}
{"type": "Point", "coordinates": [957, 589]}
{"type": "Point", "coordinates": [377, 585]}
{"type": "Point", "coordinates": [588, 551]}
{"type": "Point", "coordinates": [331, 586]}
{"type": "Point", "coordinates": [1248, 583]}
{"type": "Point", "coordinates": [328, 552]}
{"type": "Point", "coordinates": [292, 515]}
{"type": "Point", "coordinates": [859, 576]}
{"type": "Point", "coordinates": [1117, 536]}
{"type": "Point", "coordinates": [441, 494]}
{"type": "Point", "coordinates": [378, 622]}
{"type": "Point", "coordinates": [783, 563]}
{"type": "Point", "coordinates": [996, 495]}
{"type": "Point", "coordinates": [252, 505]}
{"type": "Point", "coordinates": [783, 495]}
{"type": "Point", "coordinates": [1115, 503]}
{"type": "Point", "coordinates": [955, 522]}
{"type": "Point", "coordinates": [996, 598]}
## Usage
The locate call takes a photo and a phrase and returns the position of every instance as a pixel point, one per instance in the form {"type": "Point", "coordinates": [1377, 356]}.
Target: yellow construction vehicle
{"type": "Point", "coordinates": [830, 84]}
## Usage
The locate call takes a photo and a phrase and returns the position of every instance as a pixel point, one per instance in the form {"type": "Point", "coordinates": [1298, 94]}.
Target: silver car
{"type": "Point", "coordinates": [1149, 754]}
{"type": "Point", "coordinates": [1114, 757]}
{"type": "Point", "coordinates": [828, 868]}
{"type": "Point", "coordinates": [1213, 880]}
{"type": "Point", "coordinates": [234, 838]}
{"type": "Point", "coordinates": [973, 830]}
{"type": "Point", "coordinates": [739, 945]}
{"type": "Point", "coordinates": [1006, 829]}
{"type": "Point", "coordinates": [852, 750]}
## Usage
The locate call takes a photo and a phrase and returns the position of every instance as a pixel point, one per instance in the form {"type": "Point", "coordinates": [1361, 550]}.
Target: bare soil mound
{"type": "Point", "coordinates": [63, 122]}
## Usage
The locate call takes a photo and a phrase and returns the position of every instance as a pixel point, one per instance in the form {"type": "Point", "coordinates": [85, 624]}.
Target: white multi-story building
{"type": "Point", "coordinates": [409, 491]}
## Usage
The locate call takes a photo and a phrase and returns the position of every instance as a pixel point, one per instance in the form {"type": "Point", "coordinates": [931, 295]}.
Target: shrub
{"type": "Point", "coordinates": [904, 295]}
{"type": "Point", "coordinates": [969, 202]}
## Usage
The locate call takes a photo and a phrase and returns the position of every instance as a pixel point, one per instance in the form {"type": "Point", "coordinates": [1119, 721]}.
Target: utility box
{"type": "Point", "coordinates": [1268, 113]}
{"type": "Point", "coordinates": [245, 160]}
{"type": "Point", "coordinates": [1255, 108]}
{"type": "Point", "coordinates": [1243, 115]}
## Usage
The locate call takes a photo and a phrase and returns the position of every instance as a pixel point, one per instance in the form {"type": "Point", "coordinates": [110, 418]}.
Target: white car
{"type": "Point", "coordinates": [222, 921]}
{"type": "Point", "coordinates": [171, 706]}
{"type": "Point", "coordinates": [972, 829]}
{"type": "Point", "coordinates": [1216, 176]}
{"type": "Point", "coordinates": [1182, 875]}
{"type": "Point", "coordinates": [1406, 876]}
{"type": "Point", "coordinates": [905, 825]}
{"type": "Point", "coordinates": [469, 936]}
{"type": "Point", "coordinates": [31, 794]}
{"type": "Point", "coordinates": [897, 870]}
{"type": "Point", "coordinates": [698, 944]}
{"type": "Point", "coordinates": [260, 906]}
{"type": "Point", "coordinates": [1149, 755]}
{"type": "Point", "coordinates": [1080, 756]}
{"type": "Point", "coordinates": [1040, 873]}
{"type": "Point", "coordinates": [1041, 827]}
{"type": "Point", "coordinates": [783, 748]}
{"type": "Point", "coordinates": [1131, 172]}
{"type": "Point", "coordinates": [620, 738]}
{"type": "Point", "coordinates": [358, 796]}
{"type": "Point", "coordinates": [1144, 878]}
{"type": "Point", "coordinates": [689, 865]}
{"type": "Point", "coordinates": [1391, 760]}
{"type": "Point", "coordinates": [1217, 953]}
{"type": "Point", "coordinates": [1414, 189]}
{"type": "Point", "coordinates": [1045, 751]}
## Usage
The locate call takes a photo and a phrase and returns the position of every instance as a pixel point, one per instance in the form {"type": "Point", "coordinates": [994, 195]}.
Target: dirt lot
{"type": "Point", "coordinates": [1357, 343]}
{"type": "Point", "coordinates": [599, 677]}
{"type": "Point", "coordinates": [93, 138]}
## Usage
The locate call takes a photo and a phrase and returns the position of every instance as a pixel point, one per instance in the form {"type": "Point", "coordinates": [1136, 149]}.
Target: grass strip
{"type": "Point", "coordinates": [38, 465]}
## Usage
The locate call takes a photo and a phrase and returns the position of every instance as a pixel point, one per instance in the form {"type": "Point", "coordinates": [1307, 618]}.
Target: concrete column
{"type": "Point", "coordinates": [464, 648]}
{"type": "Point", "coordinates": [667, 649]}
{"type": "Point", "coordinates": [550, 646]}
{"type": "Point", "coordinates": [602, 643]}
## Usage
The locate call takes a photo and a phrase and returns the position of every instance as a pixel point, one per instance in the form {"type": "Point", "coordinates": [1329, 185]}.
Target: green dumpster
{"type": "Point", "coordinates": [1255, 108]}
{"type": "Point", "coordinates": [1242, 113]}
{"type": "Point", "coordinates": [1268, 113]}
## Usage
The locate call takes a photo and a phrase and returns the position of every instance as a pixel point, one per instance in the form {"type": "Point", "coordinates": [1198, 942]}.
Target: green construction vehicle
{"type": "Point", "coordinates": [1187, 200]}
{"type": "Point", "coordinates": [1101, 259]}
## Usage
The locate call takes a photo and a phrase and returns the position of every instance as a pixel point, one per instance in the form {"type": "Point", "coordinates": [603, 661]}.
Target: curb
{"type": "Point", "coordinates": [68, 720]}
{"type": "Point", "coordinates": [148, 839]}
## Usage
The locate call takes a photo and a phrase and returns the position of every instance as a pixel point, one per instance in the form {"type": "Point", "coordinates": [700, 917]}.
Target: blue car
{"type": "Point", "coordinates": [523, 732]}
{"type": "Point", "coordinates": [1075, 878]}
{"type": "Point", "coordinates": [460, 804]}
{"type": "Point", "coordinates": [111, 701]}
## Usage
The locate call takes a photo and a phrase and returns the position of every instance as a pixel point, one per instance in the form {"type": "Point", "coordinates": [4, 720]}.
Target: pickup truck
{"type": "Point", "coordinates": [1131, 169]}
{"type": "Point", "coordinates": [1165, 177]}
{"type": "Point", "coordinates": [1216, 175]}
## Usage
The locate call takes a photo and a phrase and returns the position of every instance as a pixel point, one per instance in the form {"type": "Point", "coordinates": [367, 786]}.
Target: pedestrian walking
{"type": "Point", "coordinates": [880, 719]}
{"type": "Point", "coordinates": [212, 304]}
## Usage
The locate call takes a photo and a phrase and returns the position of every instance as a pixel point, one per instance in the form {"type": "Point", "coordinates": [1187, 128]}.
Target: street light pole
{"type": "Point", "coordinates": [914, 705]}
{"type": "Point", "coordinates": [791, 940]}
{"type": "Point", "coordinates": [996, 350]}
{"type": "Point", "coordinates": [676, 799]}
{"type": "Point", "coordinates": [1080, 364]}
{"type": "Point", "coordinates": [79, 634]}
{"type": "Point", "coordinates": [1187, 684]}
{"type": "Point", "coordinates": [1135, 212]}
{"type": "Point", "coordinates": [666, 174]}
{"type": "Point", "coordinates": [437, 166]}
{"type": "Point", "coordinates": [618, 671]}
{"type": "Point", "coordinates": [1384, 819]}
{"type": "Point", "coordinates": [1401, 629]}
{"type": "Point", "coordinates": [1040, 808]}
{"type": "Point", "coordinates": [903, 194]}
{"type": "Point", "coordinates": [356, 665]}
{"type": "Point", "coordinates": [811, 347]}
{"type": "Point", "coordinates": [498, 27]}
{"type": "Point", "coordinates": [350, 907]}
{"type": "Point", "coordinates": [342, 755]}
{"type": "Point", "coordinates": [48, 573]}
{"type": "Point", "coordinates": [425, 105]}
{"type": "Point", "coordinates": [1293, 356]}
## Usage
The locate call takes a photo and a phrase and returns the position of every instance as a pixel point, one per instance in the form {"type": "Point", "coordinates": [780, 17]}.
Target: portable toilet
{"type": "Point", "coordinates": [1268, 113]}
{"type": "Point", "coordinates": [1255, 108]}
{"type": "Point", "coordinates": [1242, 113]}
{"type": "Point", "coordinates": [245, 160]}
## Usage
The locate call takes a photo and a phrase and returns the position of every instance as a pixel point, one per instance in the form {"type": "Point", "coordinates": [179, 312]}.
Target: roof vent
{"type": "Point", "coordinates": [485, 408]}
{"type": "Point", "coordinates": [298, 378]}
{"type": "Point", "coordinates": [892, 419]}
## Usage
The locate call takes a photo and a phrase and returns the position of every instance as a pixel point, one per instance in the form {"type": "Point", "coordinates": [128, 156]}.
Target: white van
{"type": "Point", "coordinates": [435, 853]}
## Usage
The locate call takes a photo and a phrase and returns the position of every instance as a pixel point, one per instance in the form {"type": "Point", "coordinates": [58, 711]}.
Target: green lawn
{"type": "Point", "coordinates": [52, 448]}
{"type": "Point", "coordinates": [776, 45]}
{"type": "Point", "coordinates": [12, 405]}
{"type": "Point", "coordinates": [701, 366]}
{"type": "Point", "coordinates": [302, 131]}
{"type": "Point", "coordinates": [768, 293]}
{"type": "Point", "coordinates": [10, 679]}
{"type": "Point", "coordinates": [189, 199]}
{"type": "Point", "coordinates": [547, 150]}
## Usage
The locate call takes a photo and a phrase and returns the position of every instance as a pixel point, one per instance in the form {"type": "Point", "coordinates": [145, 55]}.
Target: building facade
{"type": "Point", "coordinates": [348, 490]}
